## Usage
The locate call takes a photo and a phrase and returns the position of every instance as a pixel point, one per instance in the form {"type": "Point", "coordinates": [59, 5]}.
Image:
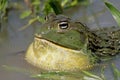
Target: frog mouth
{"type": "Point", "coordinates": [39, 37]}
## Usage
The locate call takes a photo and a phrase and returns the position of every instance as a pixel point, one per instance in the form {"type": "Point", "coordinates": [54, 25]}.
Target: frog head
{"type": "Point", "coordinates": [63, 31]}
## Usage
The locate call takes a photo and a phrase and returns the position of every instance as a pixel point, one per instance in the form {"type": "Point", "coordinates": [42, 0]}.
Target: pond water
{"type": "Point", "coordinates": [14, 44]}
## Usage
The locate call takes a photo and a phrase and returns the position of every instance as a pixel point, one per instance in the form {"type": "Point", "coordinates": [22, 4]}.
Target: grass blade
{"type": "Point", "coordinates": [92, 75]}
{"type": "Point", "coordinates": [115, 12]}
{"type": "Point", "coordinates": [116, 72]}
{"type": "Point", "coordinates": [25, 14]}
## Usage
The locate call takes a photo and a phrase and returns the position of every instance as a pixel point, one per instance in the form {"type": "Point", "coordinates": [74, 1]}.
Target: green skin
{"type": "Point", "coordinates": [63, 44]}
{"type": "Point", "coordinates": [75, 35]}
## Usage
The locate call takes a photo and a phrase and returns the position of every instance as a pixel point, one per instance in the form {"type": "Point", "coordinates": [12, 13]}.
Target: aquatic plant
{"type": "Point", "coordinates": [84, 75]}
{"type": "Point", "coordinates": [39, 9]}
{"type": "Point", "coordinates": [3, 8]}
{"type": "Point", "coordinates": [3, 11]}
{"type": "Point", "coordinates": [114, 11]}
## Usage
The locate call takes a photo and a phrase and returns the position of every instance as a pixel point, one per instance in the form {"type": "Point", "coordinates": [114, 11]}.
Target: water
{"type": "Point", "coordinates": [13, 46]}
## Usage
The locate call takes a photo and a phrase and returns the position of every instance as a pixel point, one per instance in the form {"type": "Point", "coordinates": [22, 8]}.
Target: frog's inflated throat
{"type": "Point", "coordinates": [64, 44]}
{"type": "Point", "coordinates": [47, 55]}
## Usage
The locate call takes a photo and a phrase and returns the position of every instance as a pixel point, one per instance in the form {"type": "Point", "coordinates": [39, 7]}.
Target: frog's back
{"type": "Point", "coordinates": [111, 36]}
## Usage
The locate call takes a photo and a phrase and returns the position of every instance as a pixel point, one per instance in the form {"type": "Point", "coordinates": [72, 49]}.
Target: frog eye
{"type": "Point", "coordinates": [63, 25]}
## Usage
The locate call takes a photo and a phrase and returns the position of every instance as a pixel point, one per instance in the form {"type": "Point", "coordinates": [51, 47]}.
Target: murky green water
{"type": "Point", "coordinates": [14, 44]}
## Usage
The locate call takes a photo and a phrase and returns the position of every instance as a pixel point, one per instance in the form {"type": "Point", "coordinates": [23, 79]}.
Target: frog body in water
{"type": "Point", "coordinates": [62, 44]}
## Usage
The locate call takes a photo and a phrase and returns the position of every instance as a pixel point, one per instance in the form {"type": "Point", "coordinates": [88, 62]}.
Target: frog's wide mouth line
{"type": "Point", "coordinates": [40, 37]}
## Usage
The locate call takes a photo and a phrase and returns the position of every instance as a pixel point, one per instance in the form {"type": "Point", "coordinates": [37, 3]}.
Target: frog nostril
{"type": "Point", "coordinates": [46, 18]}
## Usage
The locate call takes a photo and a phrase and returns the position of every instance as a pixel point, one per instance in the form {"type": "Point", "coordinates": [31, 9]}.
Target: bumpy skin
{"type": "Point", "coordinates": [109, 43]}
{"type": "Point", "coordinates": [66, 45]}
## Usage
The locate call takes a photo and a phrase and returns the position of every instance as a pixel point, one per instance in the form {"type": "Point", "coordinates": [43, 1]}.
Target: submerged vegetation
{"type": "Point", "coordinates": [84, 75]}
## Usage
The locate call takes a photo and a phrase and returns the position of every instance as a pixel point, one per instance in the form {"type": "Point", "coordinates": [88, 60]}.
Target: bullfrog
{"type": "Point", "coordinates": [63, 44]}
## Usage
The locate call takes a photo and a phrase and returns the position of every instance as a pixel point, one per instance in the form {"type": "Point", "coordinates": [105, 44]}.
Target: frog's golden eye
{"type": "Point", "coordinates": [63, 25]}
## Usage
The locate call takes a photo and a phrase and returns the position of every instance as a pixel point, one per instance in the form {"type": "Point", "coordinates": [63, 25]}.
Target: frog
{"type": "Point", "coordinates": [63, 44]}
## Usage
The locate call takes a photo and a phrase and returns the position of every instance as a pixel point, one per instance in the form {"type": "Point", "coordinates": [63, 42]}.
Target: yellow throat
{"type": "Point", "coordinates": [46, 55]}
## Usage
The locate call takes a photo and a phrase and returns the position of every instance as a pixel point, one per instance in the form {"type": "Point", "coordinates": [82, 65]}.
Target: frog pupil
{"type": "Point", "coordinates": [63, 25]}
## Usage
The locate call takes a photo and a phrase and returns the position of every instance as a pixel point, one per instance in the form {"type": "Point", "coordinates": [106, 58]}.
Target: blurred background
{"type": "Point", "coordinates": [19, 20]}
